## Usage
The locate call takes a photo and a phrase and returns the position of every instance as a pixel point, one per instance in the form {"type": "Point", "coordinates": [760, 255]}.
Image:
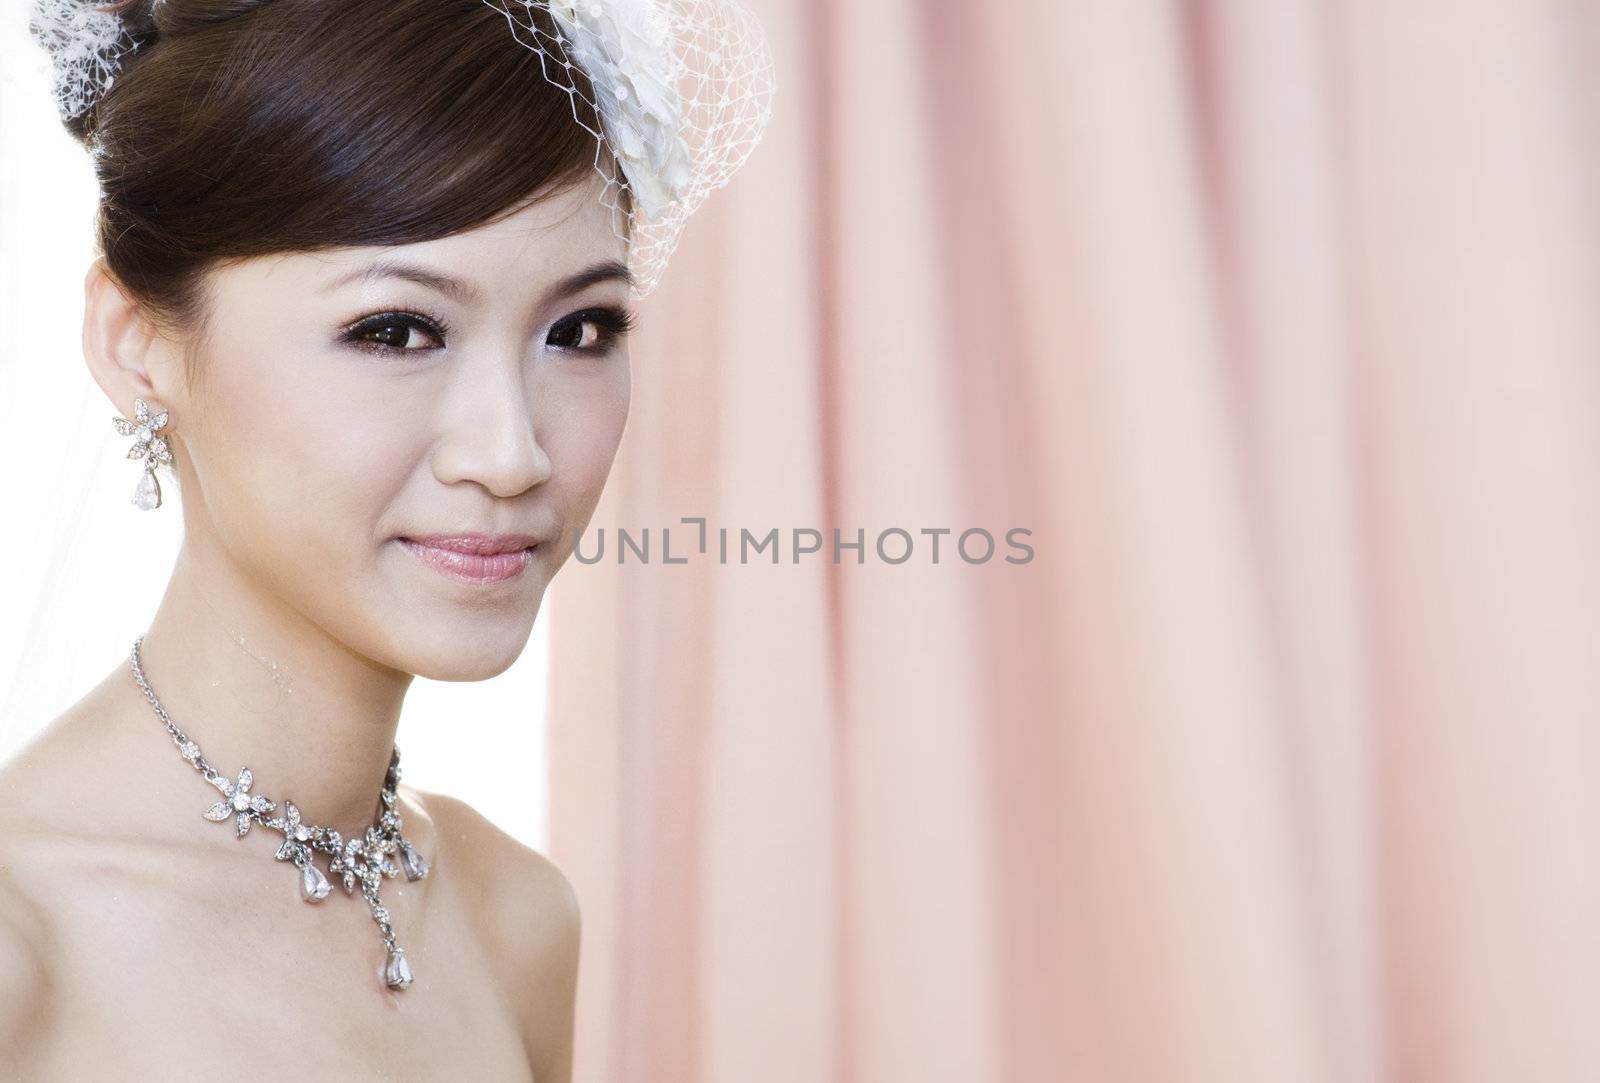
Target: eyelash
{"type": "Point", "coordinates": [433, 325]}
{"type": "Point", "coordinates": [613, 324]}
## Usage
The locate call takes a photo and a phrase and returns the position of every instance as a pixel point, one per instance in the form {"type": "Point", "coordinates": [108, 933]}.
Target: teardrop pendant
{"type": "Point", "coordinates": [397, 972]}
{"type": "Point", "coordinates": [314, 886]}
{"type": "Point", "coordinates": [412, 861]}
{"type": "Point", "coordinates": [147, 495]}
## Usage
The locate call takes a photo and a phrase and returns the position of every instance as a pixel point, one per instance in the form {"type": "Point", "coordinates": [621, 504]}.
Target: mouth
{"type": "Point", "coordinates": [474, 558]}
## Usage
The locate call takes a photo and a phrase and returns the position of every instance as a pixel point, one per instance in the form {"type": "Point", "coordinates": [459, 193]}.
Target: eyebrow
{"type": "Point", "coordinates": [608, 271]}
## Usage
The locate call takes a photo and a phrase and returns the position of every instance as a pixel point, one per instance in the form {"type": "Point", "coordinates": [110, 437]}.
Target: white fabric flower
{"type": "Point", "coordinates": [623, 46]}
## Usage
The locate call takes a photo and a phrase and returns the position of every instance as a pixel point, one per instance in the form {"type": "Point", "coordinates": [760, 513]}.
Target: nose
{"type": "Point", "coordinates": [490, 436]}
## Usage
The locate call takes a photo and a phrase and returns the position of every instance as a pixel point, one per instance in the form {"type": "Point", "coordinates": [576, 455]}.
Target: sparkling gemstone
{"type": "Point", "coordinates": [412, 861]}
{"type": "Point", "coordinates": [241, 800]}
{"type": "Point", "coordinates": [380, 913]}
{"type": "Point", "coordinates": [190, 750]}
{"type": "Point", "coordinates": [241, 824]}
{"type": "Point", "coordinates": [144, 434]}
{"type": "Point", "coordinates": [397, 973]}
{"type": "Point", "coordinates": [147, 494]}
{"type": "Point", "coordinates": [219, 811]}
{"type": "Point", "coordinates": [314, 886]}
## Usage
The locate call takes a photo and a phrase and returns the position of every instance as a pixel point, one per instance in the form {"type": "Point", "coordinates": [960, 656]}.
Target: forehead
{"type": "Point", "coordinates": [549, 238]}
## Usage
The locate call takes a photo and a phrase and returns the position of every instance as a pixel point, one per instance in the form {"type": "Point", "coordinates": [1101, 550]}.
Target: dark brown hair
{"type": "Point", "coordinates": [247, 127]}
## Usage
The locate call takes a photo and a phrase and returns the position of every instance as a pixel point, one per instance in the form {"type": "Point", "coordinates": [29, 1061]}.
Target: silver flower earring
{"type": "Point", "coordinates": [149, 447]}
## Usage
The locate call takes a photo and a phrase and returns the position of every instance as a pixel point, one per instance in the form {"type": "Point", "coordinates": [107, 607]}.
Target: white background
{"type": "Point", "coordinates": [69, 614]}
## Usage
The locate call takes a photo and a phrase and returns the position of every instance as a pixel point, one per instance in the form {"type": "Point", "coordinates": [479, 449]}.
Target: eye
{"type": "Point", "coordinates": [397, 332]}
{"type": "Point", "coordinates": [591, 330]}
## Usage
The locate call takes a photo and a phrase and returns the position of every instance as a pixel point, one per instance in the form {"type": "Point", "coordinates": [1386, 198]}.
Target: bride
{"type": "Point", "coordinates": [363, 290]}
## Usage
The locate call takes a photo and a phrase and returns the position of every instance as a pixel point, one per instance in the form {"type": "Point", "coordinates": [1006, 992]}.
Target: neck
{"type": "Point", "coordinates": [256, 684]}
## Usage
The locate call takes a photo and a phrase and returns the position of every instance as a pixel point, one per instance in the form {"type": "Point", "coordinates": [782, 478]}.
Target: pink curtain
{"type": "Point", "coordinates": [1275, 323]}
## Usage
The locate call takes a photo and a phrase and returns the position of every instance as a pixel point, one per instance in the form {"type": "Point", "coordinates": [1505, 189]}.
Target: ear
{"type": "Point", "coordinates": [127, 354]}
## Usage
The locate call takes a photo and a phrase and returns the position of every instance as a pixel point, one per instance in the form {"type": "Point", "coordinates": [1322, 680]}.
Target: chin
{"type": "Point", "coordinates": [473, 657]}
{"type": "Point", "coordinates": [448, 642]}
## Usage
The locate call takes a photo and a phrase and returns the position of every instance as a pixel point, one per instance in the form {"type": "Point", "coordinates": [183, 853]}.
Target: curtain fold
{"type": "Point", "coordinates": [1271, 323]}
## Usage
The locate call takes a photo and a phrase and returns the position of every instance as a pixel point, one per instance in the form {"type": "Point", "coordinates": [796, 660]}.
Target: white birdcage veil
{"type": "Point", "coordinates": [87, 44]}
{"type": "Point", "coordinates": [683, 89]}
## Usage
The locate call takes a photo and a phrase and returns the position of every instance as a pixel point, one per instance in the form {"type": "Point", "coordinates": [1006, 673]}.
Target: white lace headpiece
{"type": "Point", "coordinates": [86, 46]}
{"type": "Point", "coordinates": [683, 90]}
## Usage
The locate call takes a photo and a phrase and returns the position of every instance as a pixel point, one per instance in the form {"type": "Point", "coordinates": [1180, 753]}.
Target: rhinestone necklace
{"type": "Point", "coordinates": [364, 861]}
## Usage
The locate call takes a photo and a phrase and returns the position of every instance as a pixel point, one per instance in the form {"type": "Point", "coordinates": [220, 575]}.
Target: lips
{"type": "Point", "coordinates": [474, 558]}
{"type": "Point", "coordinates": [483, 545]}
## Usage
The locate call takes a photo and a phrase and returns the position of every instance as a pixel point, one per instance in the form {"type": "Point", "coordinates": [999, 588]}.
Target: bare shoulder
{"type": "Point", "coordinates": [24, 969]}
{"type": "Point", "coordinates": [531, 911]}
{"type": "Point", "coordinates": [25, 936]}
{"type": "Point", "coordinates": [522, 878]}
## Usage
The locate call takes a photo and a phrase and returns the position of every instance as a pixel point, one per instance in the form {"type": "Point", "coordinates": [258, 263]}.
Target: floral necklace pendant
{"type": "Point", "coordinates": [365, 861]}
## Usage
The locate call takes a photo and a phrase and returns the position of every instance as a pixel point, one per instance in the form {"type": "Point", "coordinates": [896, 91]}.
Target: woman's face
{"type": "Point", "coordinates": [348, 400]}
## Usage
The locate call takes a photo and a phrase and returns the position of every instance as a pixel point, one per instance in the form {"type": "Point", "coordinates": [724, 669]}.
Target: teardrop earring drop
{"type": "Point", "coordinates": [148, 446]}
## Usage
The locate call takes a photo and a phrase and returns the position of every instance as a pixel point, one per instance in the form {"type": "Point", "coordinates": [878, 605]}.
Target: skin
{"type": "Point", "coordinates": [135, 933]}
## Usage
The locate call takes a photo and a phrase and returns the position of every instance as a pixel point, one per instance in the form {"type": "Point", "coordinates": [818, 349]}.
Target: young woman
{"type": "Point", "coordinates": [364, 290]}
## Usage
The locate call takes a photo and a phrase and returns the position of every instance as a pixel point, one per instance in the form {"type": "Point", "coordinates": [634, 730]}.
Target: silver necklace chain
{"type": "Point", "coordinates": [363, 861]}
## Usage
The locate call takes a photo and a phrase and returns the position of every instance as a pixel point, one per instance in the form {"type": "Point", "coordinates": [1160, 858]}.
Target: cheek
{"type": "Point", "coordinates": [581, 429]}
{"type": "Point", "coordinates": [301, 467]}
{"type": "Point", "coordinates": [343, 464]}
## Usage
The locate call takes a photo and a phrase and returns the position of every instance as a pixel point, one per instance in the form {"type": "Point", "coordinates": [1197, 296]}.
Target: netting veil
{"type": "Point", "coordinates": [86, 45]}
{"type": "Point", "coordinates": [683, 90]}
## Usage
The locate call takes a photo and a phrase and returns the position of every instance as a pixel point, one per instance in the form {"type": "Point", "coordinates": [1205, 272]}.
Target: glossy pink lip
{"type": "Point", "coordinates": [474, 558]}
